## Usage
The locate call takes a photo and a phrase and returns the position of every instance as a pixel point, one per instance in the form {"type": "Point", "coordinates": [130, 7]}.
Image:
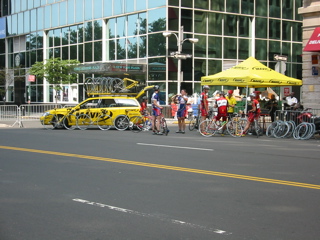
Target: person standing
{"type": "Point", "coordinates": [291, 102]}
{"type": "Point", "coordinates": [232, 102]}
{"type": "Point", "coordinates": [182, 111]}
{"type": "Point", "coordinates": [156, 111]}
{"type": "Point", "coordinates": [143, 108]}
{"type": "Point", "coordinates": [222, 105]}
{"type": "Point", "coordinates": [254, 113]}
{"type": "Point", "coordinates": [272, 106]}
{"type": "Point", "coordinates": [204, 104]}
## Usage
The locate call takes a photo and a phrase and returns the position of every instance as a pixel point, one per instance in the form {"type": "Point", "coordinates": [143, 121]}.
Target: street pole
{"type": "Point", "coordinates": [179, 44]}
{"type": "Point", "coordinates": [179, 55]}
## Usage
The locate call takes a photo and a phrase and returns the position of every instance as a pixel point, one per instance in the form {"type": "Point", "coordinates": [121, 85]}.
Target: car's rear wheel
{"type": "Point", "coordinates": [69, 122]}
{"type": "Point", "coordinates": [121, 123]}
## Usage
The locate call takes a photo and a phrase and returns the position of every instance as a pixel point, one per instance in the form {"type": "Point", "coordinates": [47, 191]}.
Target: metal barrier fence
{"type": "Point", "coordinates": [8, 112]}
{"type": "Point", "coordinates": [31, 112]}
{"type": "Point", "coordinates": [297, 116]}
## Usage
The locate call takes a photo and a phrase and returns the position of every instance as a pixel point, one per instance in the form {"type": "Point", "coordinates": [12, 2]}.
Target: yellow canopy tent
{"type": "Point", "coordinates": [252, 74]}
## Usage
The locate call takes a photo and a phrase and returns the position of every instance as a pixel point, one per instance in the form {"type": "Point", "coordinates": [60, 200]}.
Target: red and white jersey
{"type": "Point", "coordinates": [203, 99]}
{"type": "Point", "coordinates": [222, 104]}
{"type": "Point", "coordinates": [255, 103]}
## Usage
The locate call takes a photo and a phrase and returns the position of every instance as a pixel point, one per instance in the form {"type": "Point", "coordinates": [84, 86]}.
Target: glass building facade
{"type": "Point", "coordinates": [130, 32]}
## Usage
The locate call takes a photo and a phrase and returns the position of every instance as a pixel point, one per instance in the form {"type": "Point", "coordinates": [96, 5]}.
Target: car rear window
{"type": "Point", "coordinates": [126, 103]}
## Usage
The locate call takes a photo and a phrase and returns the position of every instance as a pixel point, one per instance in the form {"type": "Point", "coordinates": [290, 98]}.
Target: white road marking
{"type": "Point", "coordinates": [123, 210]}
{"type": "Point", "coordinates": [168, 146]}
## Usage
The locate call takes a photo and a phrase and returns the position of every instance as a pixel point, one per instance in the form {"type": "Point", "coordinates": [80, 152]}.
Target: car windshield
{"type": "Point", "coordinates": [126, 103]}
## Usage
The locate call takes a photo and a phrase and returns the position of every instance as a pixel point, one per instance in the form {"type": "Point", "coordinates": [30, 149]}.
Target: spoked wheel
{"type": "Point", "coordinates": [70, 122]}
{"type": "Point", "coordinates": [207, 128]}
{"type": "Point", "coordinates": [257, 129]}
{"type": "Point", "coordinates": [270, 129]}
{"type": "Point", "coordinates": [50, 121]}
{"type": "Point", "coordinates": [192, 123]}
{"type": "Point", "coordinates": [104, 122]}
{"type": "Point", "coordinates": [163, 127]}
{"type": "Point", "coordinates": [234, 128]}
{"type": "Point", "coordinates": [136, 124]}
{"type": "Point", "coordinates": [121, 123]}
{"type": "Point", "coordinates": [292, 125]}
{"type": "Point", "coordinates": [282, 129]}
{"type": "Point", "coordinates": [84, 121]}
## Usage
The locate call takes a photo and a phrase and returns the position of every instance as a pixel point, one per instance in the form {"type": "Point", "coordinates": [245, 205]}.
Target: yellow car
{"type": "Point", "coordinates": [103, 112]}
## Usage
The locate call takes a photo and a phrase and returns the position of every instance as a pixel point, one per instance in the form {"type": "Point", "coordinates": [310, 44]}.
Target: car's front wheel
{"type": "Point", "coordinates": [121, 123]}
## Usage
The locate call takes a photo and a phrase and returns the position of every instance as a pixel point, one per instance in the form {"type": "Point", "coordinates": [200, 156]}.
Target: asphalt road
{"type": "Point", "coordinates": [121, 185]}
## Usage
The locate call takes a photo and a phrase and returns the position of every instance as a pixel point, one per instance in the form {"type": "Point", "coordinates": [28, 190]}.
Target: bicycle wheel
{"type": "Point", "coordinates": [50, 121]}
{"type": "Point", "coordinates": [121, 123]}
{"type": "Point", "coordinates": [104, 122]}
{"type": "Point", "coordinates": [207, 128]}
{"type": "Point", "coordinates": [282, 129]}
{"type": "Point", "coordinates": [163, 127]}
{"type": "Point", "coordinates": [136, 123]}
{"type": "Point", "coordinates": [271, 128]}
{"type": "Point", "coordinates": [292, 125]}
{"type": "Point", "coordinates": [70, 122]}
{"type": "Point", "coordinates": [84, 121]}
{"type": "Point", "coordinates": [192, 123]}
{"type": "Point", "coordinates": [234, 128]}
{"type": "Point", "coordinates": [301, 131]}
{"type": "Point", "coordinates": [243, 122]}
{"type": "Point", "coordinates": [310, 133]}
{"type": "Point", "coordinates": [257, 128]}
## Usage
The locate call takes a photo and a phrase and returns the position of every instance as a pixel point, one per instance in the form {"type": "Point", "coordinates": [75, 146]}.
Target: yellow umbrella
{"type": "Point", "coordinates": [250, 73]}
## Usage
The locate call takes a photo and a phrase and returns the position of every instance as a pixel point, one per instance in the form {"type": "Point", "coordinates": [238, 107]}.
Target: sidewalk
{"type": "Point", "coordinates": [24, 124]}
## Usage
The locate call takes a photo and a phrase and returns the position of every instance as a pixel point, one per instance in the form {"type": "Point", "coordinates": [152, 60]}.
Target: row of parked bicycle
{"type": "Point", "coordinates": [289, 129]}
{"type": "Point", "coordinates": [304, 126]}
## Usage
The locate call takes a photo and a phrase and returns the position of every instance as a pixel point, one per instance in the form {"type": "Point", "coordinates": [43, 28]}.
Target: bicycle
{"type": "Point", "coordinates": [194, 122]}
{"type": "Point", "coordinates": [254, 128]}
{"type": "Point", "coordinates": [236, 125]}
{"type": "Point", "coordinates": [54, 121]}
{"type": "Point", "coordinates": [210, 127]}
{"type": "Point", "coordinates": [103, 120]}
{"type": "Point", "coordinates": [304, 131]}
{"type": "Point", "coordinates": [163, 125]}
{"type": "Point", "coordinates": [281, 129]}
{"type": "Point", "coordinates": [257, 128]}
{"type": "Point", "coordinates": [140, 123]}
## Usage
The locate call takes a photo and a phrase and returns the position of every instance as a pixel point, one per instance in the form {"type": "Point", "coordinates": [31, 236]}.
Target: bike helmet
{"type": "Point", "coordinates": [144, 98]}
{"type": "Point", "coordinates": [253, 95]}
{"type": "Point", "coordinates": [156, 87]}
{"type": "Point", "coordinates": [206, 87]}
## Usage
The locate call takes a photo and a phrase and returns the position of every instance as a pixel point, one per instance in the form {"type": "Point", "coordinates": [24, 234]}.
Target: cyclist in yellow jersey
{"type": "Point", "coordinates": [231, 103]}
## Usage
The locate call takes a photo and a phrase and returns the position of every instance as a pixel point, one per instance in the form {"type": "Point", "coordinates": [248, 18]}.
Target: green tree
{"type": "Point", "coordinates": [7, 81]}
{"type": "Point", "coordinates": [56, 72]}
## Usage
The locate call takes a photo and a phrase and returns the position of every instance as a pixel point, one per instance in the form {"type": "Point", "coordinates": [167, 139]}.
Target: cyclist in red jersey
{"type": "Point", "coordinates": [254, 113]}
{"type": "Point", "coordinates": [204, 105]}
{"type": "Point", "coordinates": [222, 105]}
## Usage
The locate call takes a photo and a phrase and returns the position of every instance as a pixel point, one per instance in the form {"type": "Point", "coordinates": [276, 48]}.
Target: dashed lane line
{"type": "Point", "coordinates": [148, 215]}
